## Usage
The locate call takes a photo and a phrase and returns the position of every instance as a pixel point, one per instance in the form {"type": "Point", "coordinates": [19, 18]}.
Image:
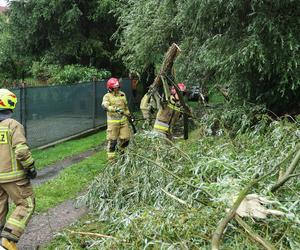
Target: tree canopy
{"type": "Point", "coordinates": [250, 46]}
{"type": "Point", "coordinates": [65, 31]}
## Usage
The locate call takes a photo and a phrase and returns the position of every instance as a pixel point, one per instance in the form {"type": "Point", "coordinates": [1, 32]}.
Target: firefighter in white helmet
{"type": "Point", "coordinates": [16, 170]}
{"type": "Point", "coordinates": [115, 103]}
{"type": "Point", "coordinates": [169, 113]}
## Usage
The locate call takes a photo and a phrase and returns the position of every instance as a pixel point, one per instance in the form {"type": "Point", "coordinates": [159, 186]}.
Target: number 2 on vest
{"type": "Point", "coordinates": [3, 137]}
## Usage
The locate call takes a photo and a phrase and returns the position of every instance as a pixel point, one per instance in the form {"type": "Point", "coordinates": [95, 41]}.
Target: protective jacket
{"type": "Point", "coordinates": [148, 105]}
{"type": "Point", "coordinates": [14, 152]}
{"type": "Point", "coordinates": [113, 101]}
{"type": "Point", "coordinates": [167, 117]}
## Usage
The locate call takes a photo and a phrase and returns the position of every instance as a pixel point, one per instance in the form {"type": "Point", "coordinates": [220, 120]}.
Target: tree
{"type": "Point", "coordinates": [12, 64]}
{"type": "Point", "coordinates": [251, 46]}
{"type": "Point", "coordinates": [65, 31]}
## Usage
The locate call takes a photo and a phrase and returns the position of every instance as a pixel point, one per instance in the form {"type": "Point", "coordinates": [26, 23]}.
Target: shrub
{"type": "Point", "coordinates": [54, 74]}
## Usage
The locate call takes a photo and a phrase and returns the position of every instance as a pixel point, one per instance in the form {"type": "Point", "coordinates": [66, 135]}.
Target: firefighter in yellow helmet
{"type": "Point", "coordinates": [115, 103]}
{"type": "Point", "coordinates": [16, 170]}
{"type": "Point", "coordinates": [169, 113]}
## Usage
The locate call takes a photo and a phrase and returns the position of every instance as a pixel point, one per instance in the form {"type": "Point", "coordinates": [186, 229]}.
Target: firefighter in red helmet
{"type": "Point", "coordinates": [169, 113]}
{"type": "Point", "coordinates": [115, 104]}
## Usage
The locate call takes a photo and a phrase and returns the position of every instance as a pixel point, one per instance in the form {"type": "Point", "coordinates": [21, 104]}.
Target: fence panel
{"type": "Point", "coordinates": [56, 112]}
{"type": "Point", "coordinates": [100, 113]}
{"type": "Point", "coordinates": [17, 111]}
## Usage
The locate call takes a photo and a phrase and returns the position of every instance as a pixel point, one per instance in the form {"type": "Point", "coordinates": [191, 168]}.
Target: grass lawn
{"type": "Point", "coordinates": [69, 182]}
{"type": "Point", "coordinates": [59, 152]}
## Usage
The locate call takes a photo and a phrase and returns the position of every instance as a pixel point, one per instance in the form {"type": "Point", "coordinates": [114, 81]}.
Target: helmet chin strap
{"type": "Point", "coordinates": [5, 114]}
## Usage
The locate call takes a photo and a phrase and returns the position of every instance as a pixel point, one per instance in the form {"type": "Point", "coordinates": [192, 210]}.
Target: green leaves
{"type": "Point", "coordinates": [64, 32]}
{"type": "Point", "coordinates": [128, 197]}
{"type": "Point", "coordinates": [251, 46]}
{"type": "Point", "coordinates": [54, 74]}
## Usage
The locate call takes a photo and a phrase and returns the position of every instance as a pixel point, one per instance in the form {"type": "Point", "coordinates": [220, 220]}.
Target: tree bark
{"type": "Point", "coordinates": [288, 173]}
{"type": "Point", "coordinates": [166, 65]}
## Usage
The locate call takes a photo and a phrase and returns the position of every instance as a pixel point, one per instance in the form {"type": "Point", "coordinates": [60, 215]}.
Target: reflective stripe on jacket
{"type": "Point", "coordinates": [166, 117]}
{"type": "Point", "coordinates": [14, 152]}
{"type": "Point", "coordinates": [116, 120]}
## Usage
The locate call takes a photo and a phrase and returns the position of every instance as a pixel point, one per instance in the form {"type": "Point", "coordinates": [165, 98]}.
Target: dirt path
{"type": "Point", "coordinates": [42, 227]}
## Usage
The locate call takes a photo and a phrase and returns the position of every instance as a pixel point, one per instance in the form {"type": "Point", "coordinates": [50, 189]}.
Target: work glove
{"type": "Point", "coordinates": [31, 172]}
{"type": "Point", "coordinates": [132, 118]}
{"type": "Point", "coordinates": [119, 111]}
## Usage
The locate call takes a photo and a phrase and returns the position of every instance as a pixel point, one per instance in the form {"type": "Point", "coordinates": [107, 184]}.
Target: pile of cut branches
{"type": "Point", "coordinates": [163, 195]}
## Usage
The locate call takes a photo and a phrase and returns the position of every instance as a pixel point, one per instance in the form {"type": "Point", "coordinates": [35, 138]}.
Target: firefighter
{"type": "Point", "coordinates": [148, 107]}
{"type": "Point", "coordinates": [16, 170]}
{"type": "Point", "coordinates": [169, 113]}
{"type": "Point", "coordinates": [115, 104]}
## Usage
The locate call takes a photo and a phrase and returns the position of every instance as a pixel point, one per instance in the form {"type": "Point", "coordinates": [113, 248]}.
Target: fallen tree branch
{"type": "Point", "coordinates": [223, 92]}
{"type": "Point", "coordinates": [176, 198]}
{"type": "Point", "coordinates": [288, 173]}
{"type": "Point", "coordinates": [266, 244]}
{"type": "Point", "coordinates": [217, 235]}
{"type": "Point", "coordinates": [181, 151]}
{"type": "Point", "coordinates": [92, 234]}
{"type": "Point", "coordinates": [294, 175]}
{"type": "Point", "coordinates": [172, 174]}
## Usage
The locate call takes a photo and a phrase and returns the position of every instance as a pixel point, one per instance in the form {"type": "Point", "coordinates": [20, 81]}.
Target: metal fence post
{"type": "Point", "coordinates": [94, 103]}
{"type": "Point", "coordinates": [23, 108]}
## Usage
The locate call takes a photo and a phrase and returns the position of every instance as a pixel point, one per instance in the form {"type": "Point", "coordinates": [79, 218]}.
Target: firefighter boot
{"type": "Point", "coordinates": [111, 150]}
{"type": "Point", "coordinates": [123, 145]}
{"type": "Point", "coordinates": [111, 157]}
{"type": "Point", "coordinates": [8, 245]}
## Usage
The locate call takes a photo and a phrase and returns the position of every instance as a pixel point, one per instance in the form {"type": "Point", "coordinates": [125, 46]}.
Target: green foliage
{"type": "Point", "coordinates": [43, 71]}
{"type": "Point", "coordinates": [77, 73]}
{"type": "Point", "coordinates": [131, 206]}
{"type": "Point", "coordinates": [145, 36]}
{"type": "Point", "coordinates": [236, 120]}
{"type": "Point", "coordinates": [54, 74]}
{"type": "Point", "coordinates": [250, 46]}
{"type": "Point", "coordinates": [12, 64]}
{"type": "Point", "coordinates": [61, 33]}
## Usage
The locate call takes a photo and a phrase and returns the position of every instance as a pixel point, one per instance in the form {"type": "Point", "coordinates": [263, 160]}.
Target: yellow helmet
{"type": "Point", "coordinates": [8, 99]}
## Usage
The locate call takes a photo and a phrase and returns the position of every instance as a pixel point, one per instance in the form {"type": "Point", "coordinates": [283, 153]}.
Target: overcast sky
{"type": "Point", "coordinates": [3, 3]}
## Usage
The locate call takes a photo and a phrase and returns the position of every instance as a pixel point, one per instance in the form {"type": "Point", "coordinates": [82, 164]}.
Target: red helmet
{"type": "Point", "coordinates": [181, 86]}
{"type": "Point", "coordinates": [113, 83]}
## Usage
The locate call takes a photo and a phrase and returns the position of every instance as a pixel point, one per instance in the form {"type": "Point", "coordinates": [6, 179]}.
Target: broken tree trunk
{"type": "Point", "coordinates": [166, 66]}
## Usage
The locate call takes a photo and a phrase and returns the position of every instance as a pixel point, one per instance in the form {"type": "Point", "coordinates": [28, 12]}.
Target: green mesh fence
{"type": "Point", "coordinates": [17, 111]}
{"type": "Point", "coordinates": [53, 113]}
